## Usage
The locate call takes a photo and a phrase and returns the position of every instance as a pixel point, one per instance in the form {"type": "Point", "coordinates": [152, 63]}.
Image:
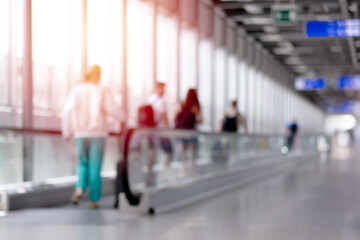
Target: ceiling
{"type": "Point", "coordinates": [302, 56]}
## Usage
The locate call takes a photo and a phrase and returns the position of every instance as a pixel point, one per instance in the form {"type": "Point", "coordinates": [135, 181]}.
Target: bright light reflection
{"type": "Point", "coordinates": [340, 123]}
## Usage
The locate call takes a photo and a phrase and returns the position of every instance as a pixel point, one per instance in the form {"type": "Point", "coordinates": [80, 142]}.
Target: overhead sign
{"type": "Point", "coordinates": [351, 82]}
{"type": "Point", "coordinates": [284, 13]}
{"type": "Point", "coordinates": [336, 28]}
{"type": "Point", "coordinates": [310, 84]}
{"type": "Point", "coordinates": [346, 106]}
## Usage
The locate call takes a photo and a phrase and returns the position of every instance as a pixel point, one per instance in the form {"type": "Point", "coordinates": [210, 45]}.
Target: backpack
{"type": "Point", "coordinates": [185, 120]}
{"type": "Point", "coordinates": [146, 117]}
{"type": "Point", "coordinates": [230, 124]}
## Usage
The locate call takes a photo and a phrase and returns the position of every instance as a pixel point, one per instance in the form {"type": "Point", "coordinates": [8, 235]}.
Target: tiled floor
{"type": "Point", "coordinates": [320, 200]}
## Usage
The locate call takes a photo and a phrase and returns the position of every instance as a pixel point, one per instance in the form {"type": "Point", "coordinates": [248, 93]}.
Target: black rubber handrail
{"type": "Point", "coordinates": [133, 198]}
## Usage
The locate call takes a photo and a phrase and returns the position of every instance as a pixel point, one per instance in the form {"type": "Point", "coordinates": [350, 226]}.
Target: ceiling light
{"type": "Point", "coordinates": [283, 51]}
{"type": "Point", "coordinates": [257, 21]}
{"type": "Point", "coordinates": [253, 8]}
{"type": "Point", "coordinates": [270, 29]}
{"type": "Point", "coordinates": [300, 69]}
{"type": "Point", "coordinates": [271, 38]}
{"type": "Point", "coordinates": [293, 61]}
{"type": "Point", "coordinates": [286, 45]}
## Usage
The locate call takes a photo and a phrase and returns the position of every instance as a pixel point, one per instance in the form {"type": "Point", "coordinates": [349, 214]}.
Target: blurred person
{"type": "Point", "coordinates": [156, 103]}
{"type": "Point", "coordinates": [231, 122]}
{"type": "Point", "coordinates": [292, 130]}
{"type": "Point", "coordinates": [232, 119]}
{"type": "Point", "coordinates": [85, 118]}
{"type": "Point", "coordinates": [188, 115]}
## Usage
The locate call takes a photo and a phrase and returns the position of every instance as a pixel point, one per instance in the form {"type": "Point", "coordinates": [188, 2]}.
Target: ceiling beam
{"type": "Point", "coordinates": [288, 36]}
{"type": "Point", "coordinates": [344, 10]}
{"type": "Point", "coordinates": [236, 5]}
{"type": "Point", "coordinates": [299, 18]}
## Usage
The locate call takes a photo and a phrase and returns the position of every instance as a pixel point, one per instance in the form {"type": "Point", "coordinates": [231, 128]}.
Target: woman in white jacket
{"type": "Point", "coordinates": [84, 118]}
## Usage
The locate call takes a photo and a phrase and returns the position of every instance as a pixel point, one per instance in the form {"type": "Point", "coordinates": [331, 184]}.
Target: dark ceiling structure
{"type": "Point", "coordinates": [326, 57]}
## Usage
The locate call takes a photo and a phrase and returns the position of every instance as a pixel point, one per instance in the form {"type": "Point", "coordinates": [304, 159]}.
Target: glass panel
{"type": "Point", "coordinates": [105, 36]}
{"type": "Point", "coordinates": [206, 84]}
{"type": "Point", "coordinates": [56, 51]}
{"type": "Point", "coordinates": [166, 59]}
{"type": "Point", "coordinates": [243, 80]}
{"type": "Point", "coordinates": [251, 99]}
{"type": "Point", "coordinates": [17, 50]}
{"type": "Point", "coordinates": [52, 158]}
{"type": "Point", "coordinates": [185, 156]}
{"type": "Point", "coordinates": [140, 55]}
{"type": "Point", "coordinates": [219, 85]}
{"type": "Point", "coordinates": [257, 100]}
{"type": "Point", "coordinates": [188, 62]}
{"type": "Point", "coordinates": [232, 92]}
{"type": "Point", "coordinates": [4, 51]}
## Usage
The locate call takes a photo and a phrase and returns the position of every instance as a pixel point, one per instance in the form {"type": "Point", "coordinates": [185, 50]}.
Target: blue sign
{"type": "Point", "coordinates": [336, 28]}
{"type": "Point", "coordinates": [348, 82]}
{"type": "Point", "coordinates": [346, 106]}
{"type": "Point", "coordinates": [310, 84]}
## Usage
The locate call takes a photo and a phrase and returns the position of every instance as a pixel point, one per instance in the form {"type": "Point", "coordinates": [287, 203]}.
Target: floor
{"type": "Point", "coordinates": [317, 201]}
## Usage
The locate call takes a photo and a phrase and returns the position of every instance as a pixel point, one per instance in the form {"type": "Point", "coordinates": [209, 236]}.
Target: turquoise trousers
{"type": "Point", "coordinates": [91, 151]}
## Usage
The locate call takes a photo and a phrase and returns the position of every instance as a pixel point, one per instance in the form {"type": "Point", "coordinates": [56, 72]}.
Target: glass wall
{"type": "Point", "coordinates": [222, 62]}
{"type": "Point", "coordinates": [232, 76]}
{"type": "Point", "coordinates": [4, 51]}
{"type": "Point", "coordinates": [140, 55]}
{"type": "Point", "coordinates": [11, 52]}
{"type": "Point", "coordinates": [105, 44]}
{"type": "Point", "coordinates": [166, 58]}
{"type": "Point", "coordinates": [220, 96]}
{"type": "Point", "coordinates": [243, 84]}
{"type": "Point", "coordinates": [56, 51]}
{"type": "Point", "coordinates": [206, 82]}
{"type": "Point", "coordinates": [187, 61]}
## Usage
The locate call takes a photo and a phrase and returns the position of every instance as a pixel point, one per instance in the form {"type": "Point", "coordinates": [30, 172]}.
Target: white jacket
{"type": "Point", "coordinates": [86, 110]}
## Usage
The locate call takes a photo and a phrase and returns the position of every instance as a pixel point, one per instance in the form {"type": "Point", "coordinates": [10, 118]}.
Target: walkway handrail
{"type": "Point", "coordinates": [31, 131]}
{"type": "Point", "coordinates": [41, 131]}
{"type": "Point", "coordinates": [135, 198]}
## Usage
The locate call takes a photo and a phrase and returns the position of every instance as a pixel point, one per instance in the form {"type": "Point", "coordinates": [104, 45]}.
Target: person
{"type": "Point", "coordinates": [188, 115]}
{"type": "Point", "coordinates": [231, 122]}
{"type": "Point", "coordinates": [232, 119]}
{"type": "Point", "coordinates": [84, 118]}
{"type": "Point", "coordinates": [158, 103]}
{"type": "Point", "coordinates": [292, 130]}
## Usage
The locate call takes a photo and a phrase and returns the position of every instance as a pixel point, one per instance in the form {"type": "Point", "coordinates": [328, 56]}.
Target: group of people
{"type": "Point", "coordinates": [154, 115]}
{"type": "Point", "coordinates": [85, 119]}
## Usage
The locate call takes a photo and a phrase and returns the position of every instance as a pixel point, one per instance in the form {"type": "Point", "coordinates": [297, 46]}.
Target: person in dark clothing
{"type": "Point", "coordinates": [292, 130]}
{"type": "Point", "coordinates": [188, 115]}
{"type": "Point", "coordinates": [232, 119]}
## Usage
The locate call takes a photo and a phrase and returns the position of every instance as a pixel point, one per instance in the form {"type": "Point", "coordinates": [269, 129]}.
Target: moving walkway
{"type": "Point", "coordinates": [37, 167]}
{"type": "Point", "coordinates": [222, 161]}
